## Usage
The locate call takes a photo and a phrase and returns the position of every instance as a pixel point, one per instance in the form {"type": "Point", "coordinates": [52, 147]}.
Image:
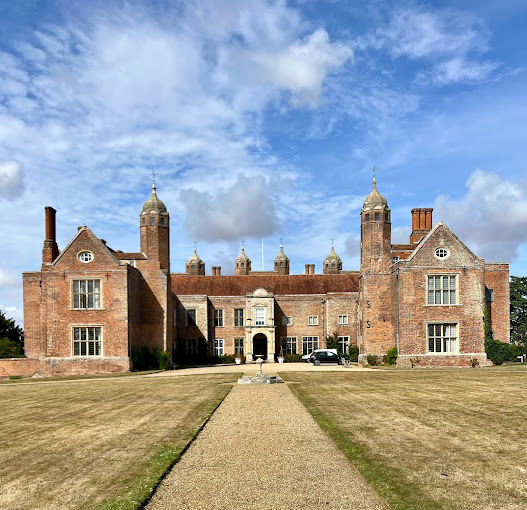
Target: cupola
{"type": "Point", "coordinates": [333, 263]}
{"type": "Point", "coordinates": [242, 265]}
{"type": "Point", "coordinates": [281, 262]}
{"type": "Point", "coordinates": [375, 207]}
{"type": "Point", "coordinates": [154, 228]}
{"type": "Point", "coordinates": [154, 205]}
{"type": "Point", "coordinates": [195, 266]}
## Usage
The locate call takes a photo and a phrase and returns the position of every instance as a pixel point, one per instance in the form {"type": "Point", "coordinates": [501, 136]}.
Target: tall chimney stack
{"type": "Point", "coordinates": [50, 250]}
{"type": "Point", "coordinates": [421, 224]}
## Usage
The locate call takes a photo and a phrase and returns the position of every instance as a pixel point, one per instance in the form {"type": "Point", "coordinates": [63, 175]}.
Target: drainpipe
{"type": "Point", "coordinates": [397, 292]}
{"type": "Point", "coordinates": [322, 302]}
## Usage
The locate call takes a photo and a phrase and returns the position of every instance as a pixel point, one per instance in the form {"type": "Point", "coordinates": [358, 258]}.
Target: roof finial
{"type": "Point", "coordinates": [242, 247]}
{"type": "Point", "coordinates": [374, 169]}
{"type": "Point", "coordinates": [332, 243]}
{"type": "Point", "coordinates": [195, 246]}
{"type": "Point", "coordinates": [281, 246]}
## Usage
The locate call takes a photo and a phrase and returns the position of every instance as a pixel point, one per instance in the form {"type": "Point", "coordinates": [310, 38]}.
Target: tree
{"type": "Point", "coordinates": [332, 342]}
{"type": "Point", "coordinates": [8, 329]}
{"type": "Point", "coordinates": [518, 301]}
{"type": "Point", "coordinates": [11, 338]}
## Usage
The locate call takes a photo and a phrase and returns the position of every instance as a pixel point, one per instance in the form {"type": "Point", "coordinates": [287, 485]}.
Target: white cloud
{"type": "Point", "coordinates": [302, 67]}
{"type": "Point", "coordinates": [446, 42]}
{"type": "Point", "coordinates": [12, 312]}
{"type": "Point", "coordinates": [11, 181]}
{"type": "Point", "coordinates": [246, 209]}
{"type": "Point", "coordinates": [491, 219]}
{"type": "Point", "coordinates": [9, 279]}
{"type": "Point", "coordinates": [419, 33]}
{"type": "Point", "coordinates": [458, 70]}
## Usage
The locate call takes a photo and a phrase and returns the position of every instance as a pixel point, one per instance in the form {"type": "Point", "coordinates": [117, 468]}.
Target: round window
{"type": "Point", "coordinates": [85, 256]}
{"type": "Point", "coordinates": [441, 253]}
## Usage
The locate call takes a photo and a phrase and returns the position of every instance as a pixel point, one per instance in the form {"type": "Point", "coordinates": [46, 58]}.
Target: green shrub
{"type": "Point", "coordinates": [353, 352]}
{"type": "Point", "coordinates": [371, 359]}
{"type": "Point", "coordinates": [226, 359]}
{"type": "Point", "coordinates": [292, 358]}
{"type": "Point", "coordinates": [498, 352]}
{"type": "Point", "coordinates": [162, 358]}
{"type": "Point", "coordinates": [13, 377]}
{"type": "Point", "coordinates": [10, 348]}
{"type": "Point", "coordinates": [145, 359]}
{"type": "Point", "coordinates": [391, 356]}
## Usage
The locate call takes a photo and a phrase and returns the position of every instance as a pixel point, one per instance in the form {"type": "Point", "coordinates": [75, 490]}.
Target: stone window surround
{"type": "Point", "coordinates": [85, 256]}
{"type": "Point", "coordinates": [442, 337]}
{"type": "Point", "coordinates": [219, 346]}
{"type": "Point", "coordinates": [86, 294]}
{"type": "Point", "coordinates": [344, 343]}
{"type": "Point", "coordinates": [309, 344]}
{"type": "Point", "coordinates": [239, 317]}
{"type": "Point", "coordinates": [288, 344]}
{"type": "Point", "coordinates": [312, 320]}
{"type": "Point", "coordinates": [190, 319]}
{"type": "Point", "coordinates": [441, 289]}
{"type": "Point", "coordinates": [87, 341]}
{"type": "Point", "coordinates": [342, 320]}
{"type": "Point", "coordinates": [238, 345]}
{"type": "Point", "coordinates": [218, 318]}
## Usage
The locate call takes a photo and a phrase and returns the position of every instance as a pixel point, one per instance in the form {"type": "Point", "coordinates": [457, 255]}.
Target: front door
{"type": "Point", "coordinates": [260, 345]}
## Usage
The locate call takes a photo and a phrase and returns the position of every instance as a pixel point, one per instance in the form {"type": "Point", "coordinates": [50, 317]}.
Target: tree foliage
{"type": "Point", "coordinates": [518, 300]}
{"type": "Point", "coordinates": [8, 329]}
{"type": "Point", "coordinates": [11, 338]}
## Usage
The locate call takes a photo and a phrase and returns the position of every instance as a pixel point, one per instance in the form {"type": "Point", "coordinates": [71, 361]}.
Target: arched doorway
{"type": "Point", "coordinates": [260, 345]}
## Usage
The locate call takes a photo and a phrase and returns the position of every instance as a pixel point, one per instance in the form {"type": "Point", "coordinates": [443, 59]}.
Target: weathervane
{"type": "Point", "coordinates": [154, 178]}
{"type": "Point", "coordinates": [374, 169]}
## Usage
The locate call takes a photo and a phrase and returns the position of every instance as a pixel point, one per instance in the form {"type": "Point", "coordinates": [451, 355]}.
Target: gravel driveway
{"type": "Point", "coordinates": [262, 449]}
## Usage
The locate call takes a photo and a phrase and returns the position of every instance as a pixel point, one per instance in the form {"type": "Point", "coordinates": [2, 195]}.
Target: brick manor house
{"type": "Point", "coordinates": [90, 305]}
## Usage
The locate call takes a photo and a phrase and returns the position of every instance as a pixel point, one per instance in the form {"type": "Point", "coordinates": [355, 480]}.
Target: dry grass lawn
{"type": "Point", "coordinates": [450, 438]}
{"type": "Point", "coordinates": [80, 444]}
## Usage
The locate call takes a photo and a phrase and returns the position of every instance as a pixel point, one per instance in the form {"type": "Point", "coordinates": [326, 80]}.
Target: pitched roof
{"type": "Point", "coordinates": [183, 284]}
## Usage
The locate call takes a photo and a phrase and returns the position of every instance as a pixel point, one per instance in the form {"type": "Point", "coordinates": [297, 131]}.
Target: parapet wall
{"type": "Point", "coordinates": [47, 367]}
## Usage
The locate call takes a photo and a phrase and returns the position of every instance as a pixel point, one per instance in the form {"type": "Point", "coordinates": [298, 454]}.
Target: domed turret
{"type": "Point", "coordinates": [333, 263]}
{"type": "Point", "coordinates": [375, 233]}
{"type": "Point", "coordinates": [281, 262]}
{"type": "Point", "coordinates": [153, 205]}
{"type": "Point", "coordinates": [242, 264]}
{"type": "Point", "coordinates": [154, 227]}
{"type": "Point", "coordinates": [374, 200]}
{"type": "Point", "coordinates": [195, 266]}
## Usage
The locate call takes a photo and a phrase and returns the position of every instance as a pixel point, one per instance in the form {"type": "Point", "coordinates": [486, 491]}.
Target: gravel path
{"type": "Point", "coordinates": [263, 450]}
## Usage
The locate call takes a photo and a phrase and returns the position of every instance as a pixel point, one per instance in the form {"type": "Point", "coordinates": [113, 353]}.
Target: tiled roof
{"type": "Point", "coordinates": [183, 284]}
{"type": "Point", "coordinates": [129, 256]}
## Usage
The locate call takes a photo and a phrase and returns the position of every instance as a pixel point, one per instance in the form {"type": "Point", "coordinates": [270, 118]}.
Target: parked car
{"type": "Point", "coordinates": [307, 357]}
{"type": "Point", "coordinates": [325, 357]}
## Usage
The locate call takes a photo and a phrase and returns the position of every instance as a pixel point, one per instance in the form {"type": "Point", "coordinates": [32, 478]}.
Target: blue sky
{"type": "Point", "coordinates": [261, 118]}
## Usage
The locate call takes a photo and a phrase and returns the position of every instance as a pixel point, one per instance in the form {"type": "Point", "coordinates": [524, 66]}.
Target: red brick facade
{"type": "Point", "coordinates": [89, 305]}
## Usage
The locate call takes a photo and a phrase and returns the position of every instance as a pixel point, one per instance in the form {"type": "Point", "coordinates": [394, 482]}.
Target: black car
{"type": "Point", "coordinates": [325, 357]}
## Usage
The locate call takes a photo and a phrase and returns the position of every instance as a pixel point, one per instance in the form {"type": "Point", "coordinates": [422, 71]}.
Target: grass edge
{"type": "Point", "coordinates": [374, 473]}
{"type": "Point", "coordinates": [158, 466]}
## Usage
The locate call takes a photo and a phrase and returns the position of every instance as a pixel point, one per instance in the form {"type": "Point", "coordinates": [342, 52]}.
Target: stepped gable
{"type": "Point", "coordinates": [185, 285]}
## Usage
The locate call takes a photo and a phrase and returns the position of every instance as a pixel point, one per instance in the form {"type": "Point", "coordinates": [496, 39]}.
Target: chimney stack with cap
{"type": "Point", "coordinates": [50, 250]}
{"type": "Point", "coordinates": [421, 224]}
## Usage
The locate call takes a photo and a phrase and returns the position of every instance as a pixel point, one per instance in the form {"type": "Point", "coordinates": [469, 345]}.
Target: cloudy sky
{"type": "Point", "coordinates": [261, 118]}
